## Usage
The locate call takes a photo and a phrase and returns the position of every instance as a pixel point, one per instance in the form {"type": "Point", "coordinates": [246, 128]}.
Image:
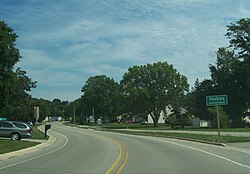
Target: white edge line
{"type": "Point", "coordinates": [11, 165]}
{"type": "Point", "coordinates": [209, 153]}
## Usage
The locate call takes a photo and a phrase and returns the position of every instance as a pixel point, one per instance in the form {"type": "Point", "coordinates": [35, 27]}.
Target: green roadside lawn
{"type": "Point", "coordinates": [37, 134]}
{"type": "Point", "coordinates": [188, 136]}
{"type": "Point", "coordinates": [7, 145]}
{"type": "Point", "coordinates": [168, 127]}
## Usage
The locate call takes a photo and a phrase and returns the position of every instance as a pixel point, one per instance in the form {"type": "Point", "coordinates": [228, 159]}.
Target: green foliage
{"type": "Point", "coordinates": [151, 88]}
{"type": "Point", "coordinates": [229, 76]}
{"type": "Point", "coordinates": [9, 55]}
{"type": "Point", "coordinates": [239, 35]}
{"type": "Point", "coordinates": [101, 94]}
{"type": "Point", "coordinates": [172, 119]}
{"type": "Point", "coordinates": [195, 100]}
{"type": "Point", "coordinates": [14, 85]}
{"type": "Point", "coordinates": [224, 121]}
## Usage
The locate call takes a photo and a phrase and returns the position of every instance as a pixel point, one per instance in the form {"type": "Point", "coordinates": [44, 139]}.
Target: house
{"type": "Point", "coordinates": [90, 119]}
{"type": "Point", "coordinates": [130, 118]}
{"type": "Point", "coordinates": [197, 122]}
{"type": "Point", "coordinates": [163, 115]}
{"type": "Point", "coordinates": [246, 119]}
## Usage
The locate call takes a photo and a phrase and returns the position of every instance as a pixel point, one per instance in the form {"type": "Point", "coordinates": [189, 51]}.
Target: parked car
{"type": "Point", "coordinates": [30, 124]}
{"type": "Point", "coordinates": [15, 130]}
{"type": "Point", "coordinates": [144, 122]}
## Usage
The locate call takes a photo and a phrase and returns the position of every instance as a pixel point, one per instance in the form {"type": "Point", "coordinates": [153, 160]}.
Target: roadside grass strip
{"type": "Point", "coordinates": [37, 134]}
{"type": "Point", "coordinates": [10, 146]}
{"type": "Point", "coordinates": [198, 137]}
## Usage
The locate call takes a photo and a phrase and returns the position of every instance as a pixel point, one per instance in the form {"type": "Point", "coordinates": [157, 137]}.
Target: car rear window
{"type": "Point", "coordinates": [20, 125]}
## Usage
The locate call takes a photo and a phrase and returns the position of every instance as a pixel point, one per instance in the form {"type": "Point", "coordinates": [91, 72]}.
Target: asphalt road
{"type": "Point", "coordinates": [88, 152]}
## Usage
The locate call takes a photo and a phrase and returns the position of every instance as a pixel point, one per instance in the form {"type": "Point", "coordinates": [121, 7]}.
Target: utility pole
{"type": "Point", "coordinates": [74, 114]}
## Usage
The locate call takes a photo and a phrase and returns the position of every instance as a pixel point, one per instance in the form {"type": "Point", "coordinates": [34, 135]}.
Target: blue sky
{"type": "Point", "coordinates": [64, 42]}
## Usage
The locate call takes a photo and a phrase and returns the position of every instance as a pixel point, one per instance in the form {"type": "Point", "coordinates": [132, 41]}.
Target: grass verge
{"type": "Point", "coordinates": [37, 134]}
{"type": "Point", "coordinates": [9, 145]}
{"type": "Point", "coordinates": [168, 127]}
{"type": "Point", "coordinates": [187, 136]}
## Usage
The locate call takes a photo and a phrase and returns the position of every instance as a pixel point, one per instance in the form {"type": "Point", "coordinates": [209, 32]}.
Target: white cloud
{"type": "Point", "coordinates": [63, 43]}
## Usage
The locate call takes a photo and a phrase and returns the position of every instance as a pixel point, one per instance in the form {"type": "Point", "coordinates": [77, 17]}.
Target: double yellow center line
{"type": "Point", "coordinates": [118, 165]}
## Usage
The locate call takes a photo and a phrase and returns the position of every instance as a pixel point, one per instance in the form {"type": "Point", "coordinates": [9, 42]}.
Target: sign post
{"type": "Point", "coordinates": [216, 100]}
{"type": "Point", "coordinates": [36, 113]}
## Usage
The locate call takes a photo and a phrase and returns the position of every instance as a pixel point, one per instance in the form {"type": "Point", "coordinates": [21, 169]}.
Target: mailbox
{"type": "Point", "coordinates": [47, 126]}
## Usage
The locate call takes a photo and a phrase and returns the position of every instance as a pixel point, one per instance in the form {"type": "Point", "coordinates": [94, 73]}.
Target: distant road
{"type": "Point", "coordinates": [82, 151]}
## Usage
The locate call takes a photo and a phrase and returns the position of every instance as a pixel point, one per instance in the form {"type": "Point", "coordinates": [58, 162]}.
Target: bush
{"type": "Point", "coordinates": [224, 120]}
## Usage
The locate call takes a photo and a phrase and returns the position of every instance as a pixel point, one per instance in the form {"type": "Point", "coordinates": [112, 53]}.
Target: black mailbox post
{"type": "Point", "coordinates": [47, 126]}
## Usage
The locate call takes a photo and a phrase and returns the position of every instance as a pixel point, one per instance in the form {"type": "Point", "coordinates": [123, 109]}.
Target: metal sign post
{"type": "Point", "coordinates": [218, 120]}
{"type": "Point", "coordinates": [216, 100]}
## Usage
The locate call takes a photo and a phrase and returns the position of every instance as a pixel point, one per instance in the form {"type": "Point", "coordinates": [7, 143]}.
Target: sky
{"type": "Point", "coordinates": [64, 42]}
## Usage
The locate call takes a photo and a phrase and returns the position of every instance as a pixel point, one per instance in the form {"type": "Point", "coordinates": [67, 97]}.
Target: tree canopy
{"type": "Point", "coordinates": [230, 74]}
{"type": "Point", "coordinates": [151, 88]}
{"type": "Point", "coordinates": [100, 93]}
{"type": "Point", "coordinates": [14, 84]}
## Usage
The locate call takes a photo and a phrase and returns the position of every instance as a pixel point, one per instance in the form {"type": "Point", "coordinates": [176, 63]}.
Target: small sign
{"type": "Point", "coordinates": [214, 100]}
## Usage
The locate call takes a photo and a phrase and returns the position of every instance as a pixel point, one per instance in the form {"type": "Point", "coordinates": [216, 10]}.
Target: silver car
{"type": "Point", "coordinates": [15, 130]}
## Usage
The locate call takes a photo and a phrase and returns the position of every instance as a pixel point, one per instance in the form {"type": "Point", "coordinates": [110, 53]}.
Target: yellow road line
{"type": "Point", "coordinates": [124, 161]}
{"type": "Point", "coordinates": [117, 160]}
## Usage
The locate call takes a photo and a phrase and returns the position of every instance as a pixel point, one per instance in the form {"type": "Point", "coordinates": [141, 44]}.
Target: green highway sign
{"type": "Point", "coordinates": [214, 100]}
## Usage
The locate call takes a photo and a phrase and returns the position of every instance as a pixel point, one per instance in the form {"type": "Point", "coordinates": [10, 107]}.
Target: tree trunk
{"type": "Point", "coordinates": [155, 119]}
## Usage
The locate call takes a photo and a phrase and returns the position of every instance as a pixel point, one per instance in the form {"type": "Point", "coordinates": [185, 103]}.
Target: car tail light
{"type": "Point", "coordinates": [29, 130]}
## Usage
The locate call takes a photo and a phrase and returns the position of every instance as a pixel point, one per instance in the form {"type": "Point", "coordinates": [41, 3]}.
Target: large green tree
{"type": "Point", "coordinates": [14, 84]}
{"type": "Point", "coordinates": [239, 35]}
{"type": "Point", "coordinates": [228, 78]}
{"type": "Point", "coordinates": [100, 93]}
{"type": "Point", "coordinates": [195, 100]}
{"type": "Point", "coordinates": [9, 56]}
{"type": "Point", "coordinates": [151, 88]}
{"type": "Point", "coordinates": [230, 74]}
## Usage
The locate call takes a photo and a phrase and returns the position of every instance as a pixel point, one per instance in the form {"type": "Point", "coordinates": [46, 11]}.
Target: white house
{"type": "Point", "coordinates": [200, 123]}
{"type": "Point", "coordinates": [246, 119]}
{"type": "Point", "coordinates": [163, 115]}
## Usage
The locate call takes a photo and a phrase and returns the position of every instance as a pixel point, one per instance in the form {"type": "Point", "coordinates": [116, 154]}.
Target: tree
{"type": "Point", "coordinates": [9, 56]}
{"type": "Point", "coordinates": [151, 88]}
{"type": "Point", "coordinates": [18, 99]}
{"type": "Point", "coordinates": [196, 103]}
{"type": "Point", "coordinates": [223, 117]}
{"type": "Point", "coordinates": [239, 35]}
{"type": "Point", "coordinates": [232, 69]}
{"type": "Point", "coordinates": [100, 93]}
{"type": "Point", "coordinates": [230, 74]}
{"type": "Point", "coordinates": [14, 85]}
{"type": "Point", "coordinates": [227, 78]}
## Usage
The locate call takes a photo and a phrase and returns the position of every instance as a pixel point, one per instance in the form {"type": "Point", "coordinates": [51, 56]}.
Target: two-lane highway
{"type": "Point", "coordinates": [87, 151]}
